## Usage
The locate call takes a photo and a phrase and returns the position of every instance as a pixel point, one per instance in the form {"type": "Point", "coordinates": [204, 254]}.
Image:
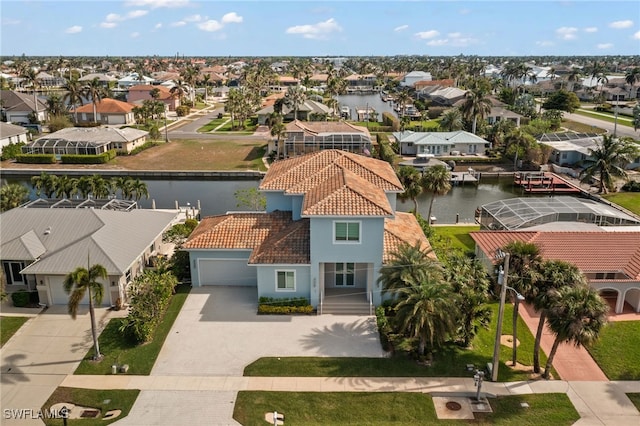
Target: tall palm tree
{"type": "Point", "coordinates": [73, 95]}
{"type": "Point", "coordinates": [555, 275]}
{"type": "Point", "coordinates": [30, 76]}
{"type": "Point", "coordinates": [410, 179]}
{"type": "Point", "coordinates": [139, 189]}
{"type": "Point", "coordinates": [124, 185]}
{"type": "Point", "coordinates": [66, 186]}
{"type": "Point", "coordinates": [295, 97]}
{"type": "Point", "coordinates": [451, 120]}
{"type": "Point", "coordinates": [436, 180]}
{"type": "Point", "coordinates": [607, 161]}
{"type": "Point", "coordinates": [95, 92]}
{"type": "Point", "coordinates": [278, 130]}
{"type": "Point", "coordinates": [12, 195]}
{"type": "Point", "coordinates": [79, 282]}
{"type": "Point", "coordinates": [100, 187]}
{"type": "Point", "coordinates": [83, 186]}
{"type": "Point", "coordinates": [576, 316]}
{"type": "Point", "coordinates": [476, 105]}
{"type": "Point", "coordinates": [403, 98]}
{"type": "Point", "coordinates": [44, 184]}
{"type": "Point", "coordinates": [409, 264]}
{"type": "Point", "coordinates": [631, 77]}
{"type": "Point", "coordinates": [55, 105]}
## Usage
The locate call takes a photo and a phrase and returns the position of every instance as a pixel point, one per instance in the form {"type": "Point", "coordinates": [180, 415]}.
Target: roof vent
{"type": "Point", "coordinates": [47, 231]}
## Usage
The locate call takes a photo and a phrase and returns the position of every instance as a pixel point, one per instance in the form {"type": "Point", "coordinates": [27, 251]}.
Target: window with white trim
{"type": "Point", "coordinates": [345, 274]}
{"type": "Point", "coordinates": [285, 280]}
{"type": "Point", "coordinates": [346, 232]}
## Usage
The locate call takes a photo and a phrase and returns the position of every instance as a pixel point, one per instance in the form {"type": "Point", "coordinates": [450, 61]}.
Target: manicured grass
{"type": "Point", "coordinates": [449, 362]}
{"type": "Point", "coordinates": [393, 408]}
{"type": "Point", "coordinates": [200, 154]}
{"type": "Point", "coordinates": [119, 350]}
{"type": "Point", "coordinates": [616, 352]}
{"type": "Point", "coordinates": [635, 398]}
{"type": "Point", "coordinates": [628, 200]}
{"type": "Point", "coordinates": [581, 128]}
{"type": "Point", "coordinates": [446, 238]}
{"type": "Point", "coordinates": [249, 127]}
{"type": "Point", "coordinates": [118, 399]}
{"type": "Point", "coordinates": [605, 116]}
{"type": "Point", "coordinates": [213, 124]}
{"type": "Point", "coordinates": [9, 326]}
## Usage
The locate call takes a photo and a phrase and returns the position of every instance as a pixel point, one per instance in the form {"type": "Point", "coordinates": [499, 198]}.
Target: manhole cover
{"type": "Point", "coordinates": [453, 406]}
{"type": "Point", "coordinates": [90, 413]}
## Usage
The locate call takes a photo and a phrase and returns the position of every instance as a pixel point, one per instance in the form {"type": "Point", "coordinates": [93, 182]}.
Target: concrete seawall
{"type": "Point", "coordinates": [141, 174]}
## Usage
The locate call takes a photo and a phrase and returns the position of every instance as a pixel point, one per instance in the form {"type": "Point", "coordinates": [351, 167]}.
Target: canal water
{"type": "Point", "coordinates": [217, 197]}
{"type": "Point", "coordinates": [362, 101]}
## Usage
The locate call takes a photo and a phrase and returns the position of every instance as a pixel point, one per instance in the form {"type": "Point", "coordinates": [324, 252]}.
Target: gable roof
{"type": "Point", "coordinates": [94, 134]}
{"type": "Point", "coordinates": [335, 182]}
{"type": "Point", "coordinates": [18, 101]}
{"type": "Point", "coordinates": [107, 106]}
{"type": "Point", "coordinates": [8, 130]}
{"type": "Point", "coordinates": [60, 239]}
{"type": "Point", "coordinates": [403, 228]}
{"type": "Point", "coordinates": [165, 92]}
{"type": "Point", "coordinates": [591, 251]}
{"type": "Point", "coordinates": [438, 138]}
{"type": "Point", "coordinates": [319, 128]}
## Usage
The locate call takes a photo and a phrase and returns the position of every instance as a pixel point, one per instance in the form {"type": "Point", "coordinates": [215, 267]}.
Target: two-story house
{"type": "Point", "coordinates": [329, 226]}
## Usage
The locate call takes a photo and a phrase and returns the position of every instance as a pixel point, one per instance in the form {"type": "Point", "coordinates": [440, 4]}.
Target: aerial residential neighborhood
{"type": "Point", "coordinates": [303, 213]}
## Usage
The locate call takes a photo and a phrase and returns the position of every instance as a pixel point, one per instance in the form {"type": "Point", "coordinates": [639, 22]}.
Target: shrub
{"type": "Point", "coordinates": [389, 119]}
{"type": "Point", "coordinates": [12, 150]}
{"type": "Point", "coordinates": [435, 112]}
{"type": "Point", "coordinates": [36, 158]}
{"type": "Point", "coordinates": [142, 147]}
{"type": "Point", "coordinates": [283, 306]}
{"type": "Point", "coordinates": [86, 159]}
{"type": "Point", "coordinates": [383, 328]}
{"type": "Point", "coordinates": [183, 110]}
{"type": "Point", "coordinates": [59, 122]}
{"type": "Point", "coordinates": [20, 298]}
{"type": "Point", "coordinates": [631, 186]}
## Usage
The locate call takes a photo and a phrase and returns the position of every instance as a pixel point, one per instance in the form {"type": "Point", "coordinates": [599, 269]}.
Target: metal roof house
{"type": "Point", "coordinates": [440, 143]}
{"type": "Point", "coordinates": [40, 246]}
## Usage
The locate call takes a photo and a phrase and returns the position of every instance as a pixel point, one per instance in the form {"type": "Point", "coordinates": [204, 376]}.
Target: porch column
{"type": "Point", "coordinates": [619, 302]}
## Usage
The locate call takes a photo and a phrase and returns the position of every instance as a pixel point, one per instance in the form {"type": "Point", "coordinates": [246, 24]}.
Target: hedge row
{"type": "Point", "coordinates": [36, 158]}
{"type": "Point", "coordinates": [271, 309]}
{"type": "Point", "coordinates": [142, 147]}
{"type": "Point", "coordinates": [89, 159]}
{"type": "Point", "coordinates": [389, 119]}
{"type": "Point", "coordinates": [285, 301]}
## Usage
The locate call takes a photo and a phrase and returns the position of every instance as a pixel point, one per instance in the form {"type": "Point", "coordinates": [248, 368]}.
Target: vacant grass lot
{"type": "Point", "coordinates": [606, 116]}
{"type": "Point", "coordinates": [9, 326]}
{"type": "Point", "coordinates": [119, 399]}
{"type": "Point", "coordinates": [449, 362]}
{"type": "Point", "coordinates": [200, 154]}
{"type": "Point", "coordinates": [581, 128]}
{"type": "Point", "coordinates": [118, 350]}
{"type": "Point", "coordinates": [446, 238]}
{"type": "Point", "coordinates": [616, 352]}
{"type": "Point", "coordinates": [628, 200]}
{"type": "Point", "coordinates": [394, 408]}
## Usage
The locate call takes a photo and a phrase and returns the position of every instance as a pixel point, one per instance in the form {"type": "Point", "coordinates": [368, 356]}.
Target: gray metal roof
{"type": "Point", "coordinates": [114, 239]}
{"type": "Point", "coordinates": [8, 130]}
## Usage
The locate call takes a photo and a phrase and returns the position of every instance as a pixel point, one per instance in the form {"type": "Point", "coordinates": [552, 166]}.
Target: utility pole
{"type": "Point", "coordinates": [503, 293]}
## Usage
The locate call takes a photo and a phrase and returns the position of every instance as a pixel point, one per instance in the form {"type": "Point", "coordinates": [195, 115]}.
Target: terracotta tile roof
{"type": "Point", "coordinates": [404, 228]}
{"type": "Point", "coordinates": [237, 230]}
{"type": "Point", "coordinates": [165, 93]}
{"type": "Point", "coordinates": [107, 106]}
{"type": "Point", "coordinates": [591, 251]}
{"type": "Point", "coordinates": [313, 128]}
{"type": "Point", "coordinates": [335, 182]}
{"type": "Point", "coordinates": [289, 246]}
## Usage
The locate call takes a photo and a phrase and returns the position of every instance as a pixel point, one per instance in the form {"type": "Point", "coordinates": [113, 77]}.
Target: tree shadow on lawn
{"type": "Point", "coordinates": [255, 153]}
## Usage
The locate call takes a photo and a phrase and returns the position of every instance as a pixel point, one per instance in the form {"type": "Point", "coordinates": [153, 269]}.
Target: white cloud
{"type": "Point", "coordinates": [194, 18]}
{"type": "Point", "coordinates": [73, 30]}
{"type": "Point", "coordinates": [111, 20]}
{"type": "Point", "coordinates": [401, 28]}
{"type": "Point", "coordinates": [135, 34]}
{"type": "Point", "coordinates": [178, 24]}
{"type": "Point", "coordinates": [231, 18]}
{"type": "Point", "coordinates": [621, 24]}
{"type": "Point", "coordinates": [136, 14]}
{"type": "Point", "coordinates": [113, 17]}
{"type": "Point", "coordinates": [158, 26]}
{"type": "Point", "coordinates": [427, 34]}
{"type": "Point", "coordinates": [321, 30]}
{"type": "Point", "coordinates": [453, 39]}
{"type": "Point", "coordinates": [567, 33]}
{"type": "Point", "coordinates": [154, 4]}
{"type": "Point", "coordinates": [455, 35]}
{"type": "Point", "coordinates": [591, 30]}
{"type": "Point", "coordinates": [8, 21]}
{"type": "Point", "coordinates": [604, 45]}
{"type": "Point", "coordinates": [108, 25]}
{"type": "Point", "coordinates": [545, 43]}
{"type": "Point", "coordinates": [211, 25]}
{"type": "Point", "coordinates": [439, 42]}
{"type": "Point", "coordinates": [636, 36]}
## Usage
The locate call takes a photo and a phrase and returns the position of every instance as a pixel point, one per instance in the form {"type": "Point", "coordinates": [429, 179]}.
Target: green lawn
{"type": "Point", "coordinates": [9, 326]}
{"type": "Point", "coordinates": [628, 200]}
{"type": "Point", "coordinates": [581, 128]}
{"type": "Point", "coordinates": [616, 352]}
{"type": "Point", "coordinates": [104, 400]}
{"type": "Point", "coordinates": [213, 124]}
{"type": "Point", "coordinates": [446, 238]}
{"type": "Point", "coordinates": [635, 398]}
{"type": "Point", "coordinates": [449, 362]}
{"type": "Point", "coordinates": [118, 350]}
{"type": "Point", "coordinates": [604, 116]}
{"type": "Point", "coordinates": [393, 408]}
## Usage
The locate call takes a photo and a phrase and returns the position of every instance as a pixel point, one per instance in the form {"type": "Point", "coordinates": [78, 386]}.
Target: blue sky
{"type": "Point", "coordinates": [309, 28]}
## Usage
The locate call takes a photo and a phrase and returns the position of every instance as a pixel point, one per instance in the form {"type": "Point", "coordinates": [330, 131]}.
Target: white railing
{"type": "Point", "coordinates": [370, 302]}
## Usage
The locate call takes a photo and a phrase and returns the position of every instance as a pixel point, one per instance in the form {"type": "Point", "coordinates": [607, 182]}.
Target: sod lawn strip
{"type": "Point", "coordinates": [635, 399]}
{"type": "Point", "coordinates": [446, 238]}
{"type": "Point", "coordinates": [628, 200]}
{"type": "Point", "coordinates": [616, 351]}
{"type": "Point", "coordinates": [9, 326]}
{"type": "Point", "coordinates": [117, 349]}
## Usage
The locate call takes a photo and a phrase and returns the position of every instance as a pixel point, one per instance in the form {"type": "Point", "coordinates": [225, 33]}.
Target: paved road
{"type": "Point", "coordinates": [620, 131]}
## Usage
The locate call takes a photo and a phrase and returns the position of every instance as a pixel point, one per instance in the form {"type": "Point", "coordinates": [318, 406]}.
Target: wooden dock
{"type": "Point", "coordinates": [545, 183]}
{"type": "Point", "coordinates": [463, 177]}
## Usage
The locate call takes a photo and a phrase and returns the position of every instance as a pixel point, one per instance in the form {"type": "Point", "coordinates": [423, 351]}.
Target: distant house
{"type": "Point", "coordinates": [500, 112]}
{"type": "Point", "coordinates": [10, 133]}
{"type": "Point", "coordinates": [133, 80]}
{"type": "Point", "coordinates": [40, 246]}
{"type": "Point", "coordinates": [440, 143]}
{"type": "Point", "coordinates": [361, 83]}
{"type": "Point", "coordinates": [138, 94]}
{"type": "Point", "coordinates": [18, 107]}
{"type": "Point", "coordinates": [104, 79]}
{"type": "Point", "coordinates": [48, 80]}
{"type": "Point", "coordinates": [609, 260]}
{"type": "Point", "coordinates": [570, 148]}
{"type": "Point", "coordinates": [413, 77]}
{"type": "Point", "coordinates": [310, 136]}
{"type": "Point", "coordinates": [329, 226]}
{"type": "Point", "coordinates": [441, 96]}
{"type": "Point", "coordinates": [108, 111]}
{"type": "Point", "coordinates": [87, 141]}
{"type": "Point", "coordinates": [306, 111]}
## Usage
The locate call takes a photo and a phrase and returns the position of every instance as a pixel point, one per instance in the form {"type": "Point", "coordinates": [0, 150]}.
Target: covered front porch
{"type": "Point", "coordinates": [346, 288]}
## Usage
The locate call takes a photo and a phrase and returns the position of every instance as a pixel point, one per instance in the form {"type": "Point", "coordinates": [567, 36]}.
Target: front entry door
{"type": "Point", "coordinates": [345, 274]}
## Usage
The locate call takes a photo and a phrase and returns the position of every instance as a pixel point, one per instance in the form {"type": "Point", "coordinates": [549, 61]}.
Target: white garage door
{"type": "Point", "coordinates": [58, 296]}
{"type": "Point", "coordinates": [226, 272]}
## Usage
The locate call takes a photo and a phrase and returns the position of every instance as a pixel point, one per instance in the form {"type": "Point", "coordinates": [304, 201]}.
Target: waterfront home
{"type": "Point", "coordinates": [10, 133]}
{"type": "Point", "coordinates": [142, 92]}
{"type": "Point", "coordinates": [20, 107]}
{"type": "Point", "coordinates": [107, 111]}
{"type": "Point", "coordinates": [310, 136]}
{"type": "Point", "coordinates": [440, 143]}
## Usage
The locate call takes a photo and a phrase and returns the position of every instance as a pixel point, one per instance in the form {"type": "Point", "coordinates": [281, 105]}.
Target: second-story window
{"type": "Point", "coordinates": [347, 232]}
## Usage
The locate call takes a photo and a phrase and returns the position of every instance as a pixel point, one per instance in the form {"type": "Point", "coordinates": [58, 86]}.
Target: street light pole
{"type": "Point", "coordinates": [615, 116]}
{"type": "Point", "coordinates": [517, 299]}
{"type": "Point", "coordinates": [503, 294]}
{"type": "Point", "coordinates": [166, 135]}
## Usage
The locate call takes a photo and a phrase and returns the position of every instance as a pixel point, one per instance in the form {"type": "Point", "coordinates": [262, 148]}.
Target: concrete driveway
{"type": "Point", "coordinates": [218, 333]}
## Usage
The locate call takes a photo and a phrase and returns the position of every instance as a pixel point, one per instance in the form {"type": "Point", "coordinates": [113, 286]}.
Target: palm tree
{"type": "Point", "coordinates": [451, 120]}
{"type": "Point", "coordinates": [100, 187]}
{"type": "Point", "coordinates": [66, 186]}
{"type": "Point", "coordinates": [79, 282]}
{"type": "Point", "coordinates": [295, 97]}
{"type": "Point", "coordinates": [631, 77]}
{"type": "Point", "coordinates": [436, 180]}
{"type": "Point", "coordinates": [577, 315]}
{"type": "Point", "coordinates": [555, 275]}
{"type": "Point", "coordinates": [83, 186]}
{"type": "Point", "coordinates": [55, 105]}
{"type": "Point", "coordinates": [607, 161]}
{"type": "Point", "coordinates": [403, 98]}
{"type": "Point", "coordinates": [12, 195]}
{"type": "Point", "coordinates": [410, 179]}
{"type": "Point", "coordinates": [476, 105]}
{"type": "Point", "coordinates": [95, 92]}
{"type": "Point", "coordinates": [44, 184]}
{"type": "Point", "coordinates": [124, 185]}
{"type": "Point", "coordinates": [139, 189]}
{"type": "Point", "coordinates": [73, 95]}
{"type": "Point", "coordinates": [278, 130]}
{"type": "Point", "coordinates": [30, 76]}
{"type": "Point", "coordinates": [409, 264]}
